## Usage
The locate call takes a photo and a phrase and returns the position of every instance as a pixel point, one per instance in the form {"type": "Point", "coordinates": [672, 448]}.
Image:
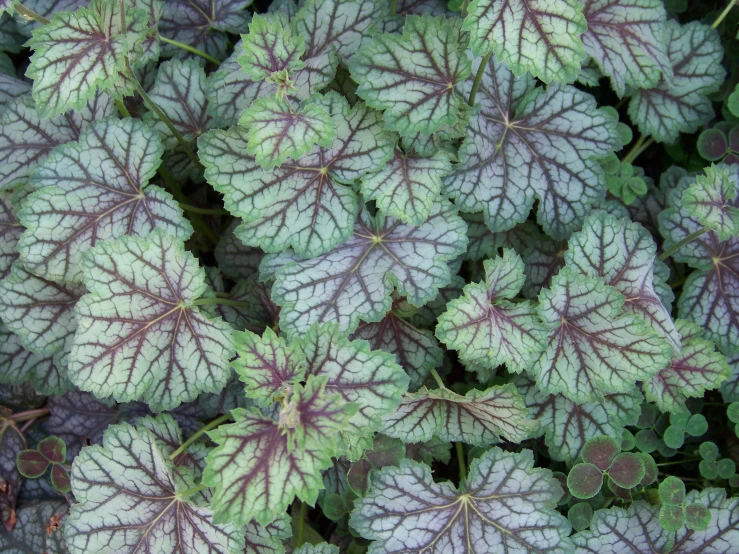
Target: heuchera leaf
{"type": "Point", "coordinates": [413, 77]}
{"type": "Point", "coordinates": [627, 40]}
{"type": "Point", "coordinates": [261, 464]}
{"type": "Point", "coordinates": [267, 539]}
{"type": "Point", "coordinates": [355, 279]}
{"type": "Point", "coordinates": [681, 104]}
{"type": "Point", "coordinates": [12, 442]}
{"type": "Point", "coordinates": [269, 49]}
{"type": "Point", "coordinates": [32, 532]}
{"type": "Point", "coordinates": [305, 205]}
{"type": "Point", "coordinates": [234, 258]}
{"type": "Point", "coordinates": [711, 200]}
{"type": "Point", "coordinates": [17, 366]}
{"type": "Point", "coordinates": [140, 336]}
{"type": "Point", "coordinates": [131, 480]}
{"type": "Point", "coordinates": [479, 417]}
{"type": "Point", "coordinates": [79, 52]}
{"type": "Point", "coordinates": [525, 143]}
{"type": "Point", "coordinates": [529, 35]}
{"type": "Point", "coordinates": [10, 232]}
{"type": "Point", "coordinates": [93, 190]}
{"type": "Point", "coordinates": [486, 327]}
{"type": "Point", "coordinates": [406, 510]}
{"type": "Point", "coordinates": [593, 348]}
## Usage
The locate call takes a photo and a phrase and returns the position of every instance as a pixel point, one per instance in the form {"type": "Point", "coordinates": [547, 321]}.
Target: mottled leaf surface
{"type": "Point", "coordinates": [18, 366]}
{"type": "Point", "coordinates": [10, 232]}
{"type": "Point", "coordinates": [32, 532]}
{"type": "Point", "coordinates": [711, 199]}
{"type": "Point", "coordinates": [269, 49]}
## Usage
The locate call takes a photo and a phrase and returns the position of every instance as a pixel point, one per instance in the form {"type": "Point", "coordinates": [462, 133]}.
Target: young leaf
{"type": "Point", "coordinates": [483, 325]}
{"type": "Point", "coordinates": [131, 481]}
{"type": "Point", "coordinates": [260, 464]}
{"type": "Point", "coordinates": [478, 418]}
{"type": "Point", "coordinates": [681, 104]}
{"type": "Point", "coordinates": [501, 485]}
{"type": "Point", "coordinates": [269, 49]}
{"type": "Point", "coordinates": [93, 190]}
{"type": "Point", "coordinates": [32, 531]}
{"type": "Point", "coordinates": [140, 336]}
{"type": "Point", "coordinates": [529, 35]}
{"type": "Point", "coordinates": [711, 200]}
{"type": "Point", "coordinates": [10, 232]}
{"type": "Point", "coordinates": [526, 143]}
{"type": "Point", "coordinates": [413, 77]}
{"type": "Point", "coordinates": [593, 349]}
{"type": "Point", "coordinates": [356, 278]}
{"type": "Point", "coordinates": [80, 52]}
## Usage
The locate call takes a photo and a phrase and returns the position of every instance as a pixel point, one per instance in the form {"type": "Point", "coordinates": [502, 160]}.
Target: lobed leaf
{"type": "Point", "coordinates": [10, 232]}
{"type": "Point", "coordinates": [710, 200]}
{"type": "Point", "coordinates": [270, 49]}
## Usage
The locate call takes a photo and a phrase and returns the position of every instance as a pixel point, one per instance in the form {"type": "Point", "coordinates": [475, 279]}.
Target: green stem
{"type": "Point", "coordinates": [215, 423]}
{"type": "Point", "coordinates": [679, 462]}
{"type": "Point", "coordinates": [301, 524]}
{"type": "Point", "coordinates": [678, 245]}
{"type": "Point", "coordinates": [30, 414]}
{"type": "Point", "coordinates": [191, 491]}
{"type": "Point", "coordinates": [462, 463]}
{"type": "Point", "coordinates": [437, 378]}
{"type": "Point", "coordinates": [197, 221]}
{"type": "Point", "coordinates": [30, 15]}
{"type": "Point", "coordinates": [223, 301]}
{"type": "Point", "coordinates": [394, 7]}
{"type": "Point", "coordinates": [723, 14]}
{"type": "Point", "coordinates": [190, 49]}
{"type": "Point", "coordinates": [204, 211]}
{"type": "Point", "coordinates": [122, 108]}
{"type": "Point", "coordinates": [478, 79]}
{"type": "Point", "coordinates": [641, 145]}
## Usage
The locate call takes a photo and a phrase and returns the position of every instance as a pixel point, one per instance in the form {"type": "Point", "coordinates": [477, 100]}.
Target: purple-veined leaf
{"type": "Point", "coordinates": [46, 8]}
{"type": "Point", "coordinates": [627, 41]}
{"type": "Point", "coordinates": [354, 281]}
{"type": "Point", "coordinates": [261, 312]}
{"type": "Point", "coordinates": [45, 372]}
{"type": "Point", "coordinates": [479, 417]}
{"type": "Point", "coordinates": [681, 105]}
{"type": "Point", "coordinates": [271, 52]}
{"type": "Point", "coordinates": [305, 204]}
{"type": "Point", "coordinates": [131, 481]}
{"type": "Point", "coordinates": [484, 326]}
{"type": "Point", "coordinates": [426, 316]}
{"type": "Point", "coordinates": [486, 244]}
{"type": "Point", "coordinates": [267, 539]}
{"type": "Point", "coordinates": [622, 253]}
{"type": "Point", "coordinates": [711, 199]}
{"type": "Point", "coordinates": [140, 336]}
{"type": "Point", "coordinates": [529, 35]}
{"type": "Point", "coordinates": [594, 348]}
{"type": "Point", "coordinates": [10, 232]}
{"type": "Point", "coordinates": [11, 39]}
{"type": "Point", "coordinates": [92, 190]}
{"type": "Point", "coordinates": [525, 143]}
{"type": "Point", "coordinates": [405, 510]}
{"type": "Point", "coordinates": [261, 464]}
{"type": "Point", "coordinates": [34, 532]}
{"type": "Point", "coordinates": [730, 388]}
{"type": "Point", "coordinates": [542, 260]}
{"type": "Point", "coordinates": [412, 77]}
{"type": "Point", "coordinates": [11, 442]}
{"type": "Point", "coordinates": [11, 88]}
{"type": "Point", "coordinates": [79, 417]}
{"type": "Point", "coordinates": [234, 258]}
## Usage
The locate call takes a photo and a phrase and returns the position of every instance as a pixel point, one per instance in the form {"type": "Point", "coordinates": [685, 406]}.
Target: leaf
{"type": "Point", "coordinates": [80, 52]}
{"type": "Point", "coordinates": [130, 480]}
{"type": "Point", "coordinates": [691, 372]}
{"type": "Point", "coordinates": [140, 335]}
{"type": "Point", "coordinates": [92, 190]}
{"type": "Point", "coordinates": [622, 253]}
{"type": "Point", "coordinates": [234, 258]}
{"type": "Point", "coordinates": [305, 205]}
{"type": "Point", "coordinates": [260, 464]}
{"type": "Point", "coordinates": [269, 49]}
{"type": "Point", "coordinates": [33, 532]}
{"type": "Point", "coordinates": [11, 88]}
{"type": "Point", "coordinates": [529, 35]}
{"type": "Point", "coordinates": [179, 91]}
{"type": "Point", "coordinates": [710, 200]}
{"type": "Point", "coordinates": [356, 278]}
{"type": "Point", "coordinates": [525, 143]}
{"type": "Point", "coordinates": [278, 131]}
{"type": "Point", "coordinates": [408, 185]}
{"type": "Point", "coordinates": [627, 40]}
{"type": "Point", "coordinates": [485, 326]}
{"type": "Point", "coordinates": [11, 443]}
{"type": "Point", "coordinates": [10, 232]}
{"type": "Point", "coordinates": [478, 418]}
{"type": "Point", "coordinates": [261, 313]}
{"type": "Point", "coordinates": [593, 348]}
{"type": "Point", "coordinates": [412, 77]}
{"type": "Point", "coordinates": [268, 539]}
{"type": "Point", "coordinates": [405, 510]}
{"type": "Point", "coordinates": [681, 105]}
{"type": "Point", "coordinates": [17, 366]}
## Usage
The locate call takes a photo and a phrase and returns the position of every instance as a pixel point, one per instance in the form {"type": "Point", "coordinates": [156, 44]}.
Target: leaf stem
{"type": "Point", "coordinates": [723, 14]}
{"type": "Point", "coordinates": [122, 108]}
{"type": "Point", "coordinates": [217, 300]}
{"type": "Point", "coordinates": [678, 245]}
{"type": "Point", "coordinates": [679, 462]}
{"type": "Point", "coordinates": [478, 79]}
{"type": "Point", "coordinates": [30, 15]}
{"type": "Point", "coordinates": [196, 435]}
{"type": "Point", "coordinates": [641, 145]}
{"type": "Point", "coordinates": [197, 221]}
{"type": "Point", "coordinates": [437, 378]}
{"type": "Point", "coordinates": [204, 211]}
{"type": "Point", "coordinates": [300, 539]}
{"type": "Point", "coordinates": [30, 414]}
{"type": "Point", "coordinates": [190, 49]}
{"type": "Point", "coordinates": [192, 490]}
{"type": "Point", "coordinates": [462, 464]}
{"type": "Point", "coordinates": [394, 7]}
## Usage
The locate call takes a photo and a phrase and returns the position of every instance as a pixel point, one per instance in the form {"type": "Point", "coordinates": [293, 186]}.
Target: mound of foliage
{"type": "Point", "coordinates": [382, 276]}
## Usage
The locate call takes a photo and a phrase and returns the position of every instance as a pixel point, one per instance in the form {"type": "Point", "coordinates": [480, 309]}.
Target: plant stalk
{"type": "Point", "coordinates": [192, 490]}
{"type": "Point", "coordinates": [437, 378]}
{"type": "Point", "coordinates": [218, 300]}
{"type": "Point", "coordinates": [30, 15]}
{"type": "Point", "coordinates": [30, 414]}
{"type": "Point", "coordinates": [122, 109]}
{"type": "Point", "coordinates": [679, 462]}
{"type": "Point", "coordinates": [641, 145]}
{"type": "Point", "coordinates": [678, 245]}
{"type": "Point", "coordinates": [723, 14]}
{"type": "Point", "coordinates": [462, 464]}
{"type": "Point", "coordinates": [204, 211]}
{"type": "Point", "coordinates": [190, 49]}
{"type": "Point", "coordinates": [215, 423]}
{"type": "Point", "coordinates": [300, 539]}
{"type": "Point", "coordinates": [478, 79]}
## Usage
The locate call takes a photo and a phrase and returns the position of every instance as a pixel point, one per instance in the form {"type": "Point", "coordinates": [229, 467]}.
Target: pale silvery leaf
{"type": "Point", "coordinates": [691, 371]}
{"type": "Point", "coordinates": [479, 417]}
{"type": "Point", "coordinates": [10, 232]}
{"type": "Point", "coordinates": [92, 190]}
{"type": "Point", "coordinates": [427, 314]}
{"type": "Point", "coordinates": [269, 49]}
{"type": "Point", "coordinates": [179, 91]}
{"type": "Point", "coordinates": [682, 105]}
{"type": "Point", "coordinates": [567, 426]}
{"type": "Point", "coordinates": [18, 366]}
{"type": "Point", "coordinates": [260, 312]}
{"type": "Point", "coordinates": [730, 388]}
{"type": "Point", "coordinates": [32, 532]}
{"type": "Point", "coordinates": [355, 279]}
{"type": "Point", "coordinates": [622, 253]}
{"type": "Point", "coordinates": [627, 40]}
{"type": "Point", "coordinates": [710, 199]}
{"type": "Point", "coordinates": [79, 52]}
{"type": "Point", "coordinates": [593, 348]}
{"type": "Point", "coordinates": [408, 185]}
{"type": "Point", "coordinates": [321, 548]}
{"type": "Point", "coordinates": [486, 244]}
{"type": "Point", "coordinates": [140, 336]}
{"type": "Point", "coordinates": [11, 88]}
{"type": "Point", "coordinates": [278, 131]}
{"type": "Point", "coordinates": [413, 76]}
{"type": "Point", "coordinates": [79, 415]}
{"type": "Point", "coordinates": [234, 258]}
{"type": "Point", "coordinates": [484, 326]}
{"type": "Point", "coordinates": [539, 36]}
{"type": "Point", "coordinates": [267, 539]}
{"type": "Point", "coordinates": [406, 511]}
{"type": "Point", "coordinates": [261, 464]}
{"type": "Point", "coordinates": [542, 261]}
{"type": "Point", "coordinates": [306, 204]}
{"type": "Point", "coordinates": [131, 481]}
{"type": "Point", "coordinates": [526, 143]}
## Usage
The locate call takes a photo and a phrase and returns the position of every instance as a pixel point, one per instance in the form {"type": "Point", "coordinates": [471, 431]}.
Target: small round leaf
{"type": "Point", "coordinates": [672, 518]}
{"type": "Point", "coordinates": [708, 450]}
{"type": "Point", "coordinates": [680, 420]}
{"type": "Point", "coordinates": [54, 449]}
{"type": "Point", "coordinates": [672, 491]}
{"type": "Point", "coordinates": [584, 481]}
{"type": "Point", "coordinates": [646, 440]}
{"type": "Point", "coordinates": [580, 515]}
{"type": "Point", "coordinates": [725, 468]}
{"type": "Point", "coordinates": [628, 442]}
{"type": "Point", "coordinates": [712, 145]}
{"type": "Point", "coordinates": [674, 436]}
{"type": "Point", "coordinates": [708, 469]}
{"type": "Point", "coordinates": [600, 451]}
{"type": "Point", "coordinates": [60, 479]}
{"type": "Point", "coordinates": [697, 425]}
{"type": "Point", "coordinates": [31, 463]}
{"type": "Point", "coordinates": [697, 517]}
{"type": "Point", "coordinates": [627, 470]}
{"type": "Point", "coordinates": [650, 470]}
{"type": "Point", "coordinates": [732, 412]}
{"type": "Point", "coordinates": [358, 477]}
